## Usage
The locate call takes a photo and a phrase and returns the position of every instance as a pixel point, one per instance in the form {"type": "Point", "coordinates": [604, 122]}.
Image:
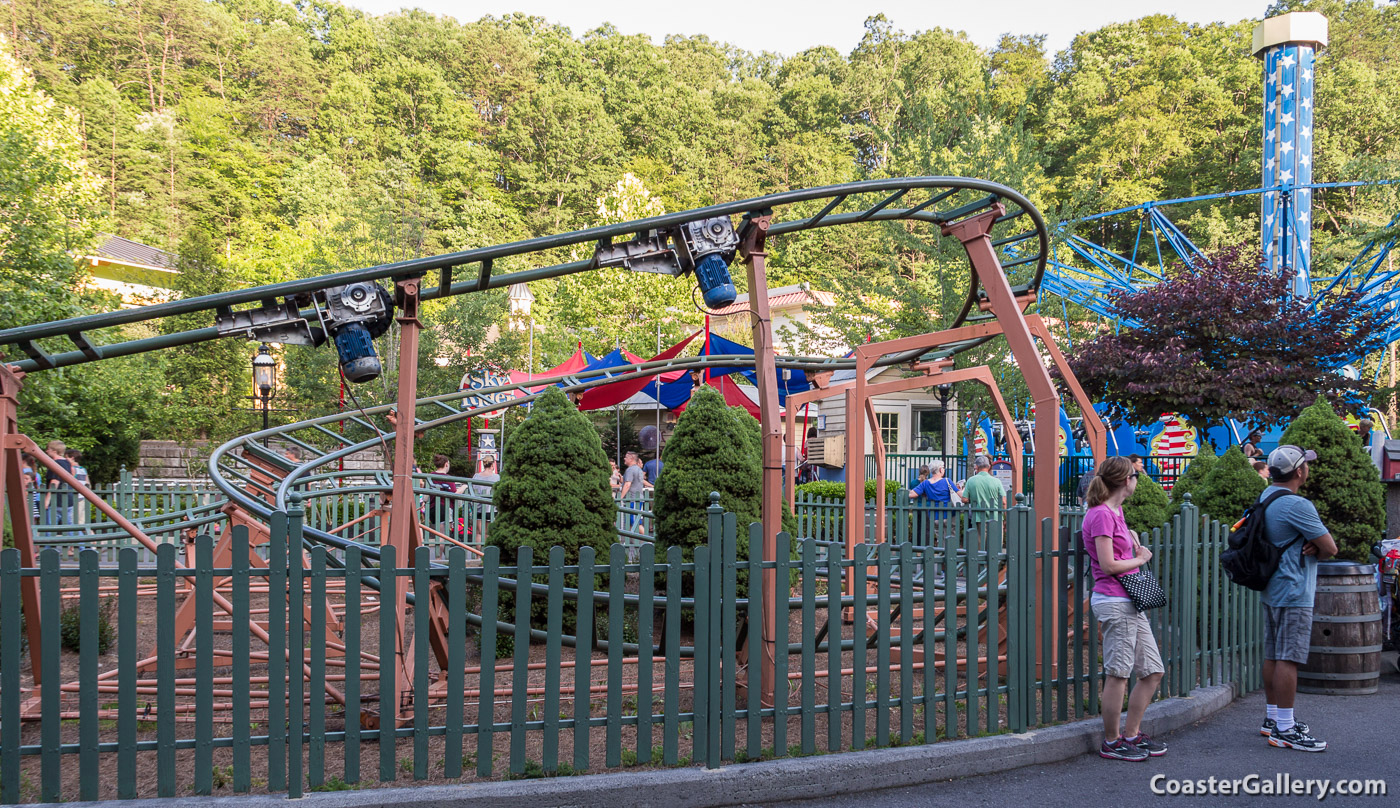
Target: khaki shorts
{"type": "Point", "coordinates": [1128, 645]}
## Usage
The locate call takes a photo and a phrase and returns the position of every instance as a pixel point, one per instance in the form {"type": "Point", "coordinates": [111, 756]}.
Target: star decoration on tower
{"type": "Point", "coordinates": [1269, 164]}
{"type": "Point", "coordinates": [1287, 90]}
{"type": "Point", "coordinates": [1285, 176]}
{"type": "Point", "coordinates": [1306, 103]}
{"type": "Point", "coordinates": [1273, 107]}
{"type": "Point", "coordinates": [1287, 60]}
{"type": "Point", "coordinates": [1286, 118]}
{"type": "Point", "coordinates": [1304, 160]}
{"type": "Point", "coordinates": [1305, 131]}
{"type": "Point", "coordinates": [1307, 74]}
{"type": "Point", "coordinates": [1286, 148]}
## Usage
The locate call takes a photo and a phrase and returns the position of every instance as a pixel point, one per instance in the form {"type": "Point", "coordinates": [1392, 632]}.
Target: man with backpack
{"type": "Point", "coordinates": [1291, 523]}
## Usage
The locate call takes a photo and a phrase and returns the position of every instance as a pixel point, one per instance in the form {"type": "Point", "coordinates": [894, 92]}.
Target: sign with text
{"type": "Point", "coordinates": [484, 380]}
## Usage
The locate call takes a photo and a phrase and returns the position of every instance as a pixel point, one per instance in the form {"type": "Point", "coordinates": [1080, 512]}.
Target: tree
{"type": "Point", "coordinates": [1147, 507]}
{"type": "Point", "coordinates": [1230, 488]}
{"type": "Point", "coordinates": [1224, 338]}
{"type": "Point", "coordinates": [1343, 483]}
{"type": "Point", "coordinates": [48, 197]}
{"type": "Point", "coordinates": [554, 491]}
{"type": "Point", "coordinates": [1196, 471]}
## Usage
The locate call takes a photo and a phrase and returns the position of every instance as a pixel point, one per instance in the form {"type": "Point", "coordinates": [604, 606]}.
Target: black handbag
{"type": "Point", "coordinates": [1143, 589]}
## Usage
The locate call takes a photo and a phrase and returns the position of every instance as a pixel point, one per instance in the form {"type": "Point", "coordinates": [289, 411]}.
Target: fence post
{"type": "Point", "coordinates": [296, 640]}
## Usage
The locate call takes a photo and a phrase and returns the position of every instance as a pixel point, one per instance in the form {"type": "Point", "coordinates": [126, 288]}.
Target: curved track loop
{"type": "Point", "coordinates": [1021, 239]}
{"type": "Point", "coordinates": [240, 468]}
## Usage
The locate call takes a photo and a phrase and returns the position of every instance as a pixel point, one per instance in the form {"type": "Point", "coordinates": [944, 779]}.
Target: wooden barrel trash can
{"type": "Point", "coordinates": [1344, 657]}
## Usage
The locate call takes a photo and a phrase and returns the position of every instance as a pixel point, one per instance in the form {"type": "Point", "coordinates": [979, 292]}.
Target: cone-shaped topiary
{"type": "Point", "coordinates": [1147, 507]}
{"type": "Point", "coordinates": [711, 450]}
{"type": "Point", "coordinates": [1187, 483]}
{"type": "Point", "coordinates": [1230, 487]}
{"type": "Point", "coordinates": [553, 491]}
{"type": "Point", "coordinates": [1343, 483]}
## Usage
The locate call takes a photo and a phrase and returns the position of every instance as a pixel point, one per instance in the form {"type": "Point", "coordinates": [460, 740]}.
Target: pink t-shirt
{"type": "Point", "coordinates": [1102, 520]}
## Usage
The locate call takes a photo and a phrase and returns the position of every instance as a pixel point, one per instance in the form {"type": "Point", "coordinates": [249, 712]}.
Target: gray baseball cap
{"type": "Point", "coordinates": [1287, 458]}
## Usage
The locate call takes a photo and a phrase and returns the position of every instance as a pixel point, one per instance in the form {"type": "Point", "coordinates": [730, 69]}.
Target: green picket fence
{"type": "Point", "coordinates": [664, 672]}
{"type": "Point", "coordinates": [904, 468]}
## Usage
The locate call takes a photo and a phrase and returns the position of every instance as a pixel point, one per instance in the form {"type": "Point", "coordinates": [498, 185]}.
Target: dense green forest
{"type": "Point", "coordinates": [263, 140]}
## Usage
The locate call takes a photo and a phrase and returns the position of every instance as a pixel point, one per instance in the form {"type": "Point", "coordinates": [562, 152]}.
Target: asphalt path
{"type": "Point", "coordinates": [1363, 744]}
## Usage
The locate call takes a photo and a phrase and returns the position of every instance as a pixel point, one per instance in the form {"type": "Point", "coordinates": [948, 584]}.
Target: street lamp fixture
{"type": "Point", "coordinates": [264, 379]}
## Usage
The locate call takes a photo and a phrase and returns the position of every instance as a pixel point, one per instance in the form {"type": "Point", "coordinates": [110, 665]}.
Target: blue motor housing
{"type": "Point", "coordinates": [712, 273]}
{"type": "Point", "coordinates": [357, 358]}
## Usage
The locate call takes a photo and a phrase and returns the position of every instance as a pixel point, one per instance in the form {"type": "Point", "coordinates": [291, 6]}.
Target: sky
{"type": "Point", "coordinates": [788, 27]}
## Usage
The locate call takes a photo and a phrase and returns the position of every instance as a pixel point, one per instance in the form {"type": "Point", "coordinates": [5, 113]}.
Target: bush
{"type": "Point", "coordinates": [70, 627]}
{"type": "Point", "coordinates": [1230, 487]}
{"type": "Point", "coordinates": [1147, 507]}
{"type": "Point", "coordinates": [826, 489]}
{"type": "Point", "coordinates": [710, 450]}
{"type": "Point", "coordinates": [1187, 483]}
{"type": "Point", "coordinates": [1343, 483]}
{"type": "Point", "coordinates": [554, 490]}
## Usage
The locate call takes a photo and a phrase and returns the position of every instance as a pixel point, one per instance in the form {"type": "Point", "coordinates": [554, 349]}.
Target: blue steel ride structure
{"type": "Point", "coordinates": [1087, 273]}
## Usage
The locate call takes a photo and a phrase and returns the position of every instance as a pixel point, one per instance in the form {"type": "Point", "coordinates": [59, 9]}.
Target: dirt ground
{"type": "Point", "coordinates": [924, 724]}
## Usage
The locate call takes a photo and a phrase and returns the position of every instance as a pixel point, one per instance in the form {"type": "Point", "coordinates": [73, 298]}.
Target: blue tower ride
{"type": "Point", "coordinates": [1288, 44]}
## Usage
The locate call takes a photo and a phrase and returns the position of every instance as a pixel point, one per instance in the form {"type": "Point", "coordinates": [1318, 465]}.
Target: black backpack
{"type": "Point", "coordinates": [1251, 559]}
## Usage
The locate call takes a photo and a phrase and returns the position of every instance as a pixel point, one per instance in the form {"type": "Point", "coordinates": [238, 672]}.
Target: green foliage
{"type": "Point", "coordinates": [1231, 486]}
{"type": "Point", "coordinates": [554, 491]}
{"type": "Point", "coordinates": [711, 450]}
{"type": "Point", "coordinates": [1187, 483]}
{"type": "Point", "coordinates": [1147, 507]}
{"type": "Point", "coordinates": [826, 489]}
{"type": "Point", "coordinates": [1343, 483]}
{"type": "Point", "coordinates": [301, 138]}
{"type": "Point", "coordinates": [70, 627]}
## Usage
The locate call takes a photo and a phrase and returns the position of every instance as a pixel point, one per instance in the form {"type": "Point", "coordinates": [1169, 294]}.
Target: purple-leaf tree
{"type": "Point", "coordinates": [1224, 338]}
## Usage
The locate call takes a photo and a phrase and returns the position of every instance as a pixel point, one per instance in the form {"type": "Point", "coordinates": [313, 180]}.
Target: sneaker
{"type": "Point", "coordinates": [1146, 743]}
{"type": "Point", "coordinates": [1267, 728]}
{"type": "Point", "coordinates": [1122, 750]}
{"type": "Point", "coordinates": [1295, 738]}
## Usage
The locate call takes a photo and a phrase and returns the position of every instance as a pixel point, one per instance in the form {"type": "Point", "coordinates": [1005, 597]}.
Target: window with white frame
{"type": "Point", "coordinates": [889, 430]}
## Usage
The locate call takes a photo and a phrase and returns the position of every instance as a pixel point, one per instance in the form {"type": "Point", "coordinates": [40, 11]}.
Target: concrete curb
{"type": "Point", "coordinates": [765, 782]}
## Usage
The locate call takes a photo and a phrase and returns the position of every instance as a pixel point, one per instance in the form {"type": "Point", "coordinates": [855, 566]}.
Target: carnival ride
{"type": "Point", "coordinates": [1004, 236]}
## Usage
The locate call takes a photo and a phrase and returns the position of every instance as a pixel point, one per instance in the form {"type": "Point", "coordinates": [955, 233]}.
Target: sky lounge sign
{"type": "Point", "coordinates": [485, 379]}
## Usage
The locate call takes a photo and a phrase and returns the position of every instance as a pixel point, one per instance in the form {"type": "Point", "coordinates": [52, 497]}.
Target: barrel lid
{"type": "Point", "coordinates": [1345, 568]}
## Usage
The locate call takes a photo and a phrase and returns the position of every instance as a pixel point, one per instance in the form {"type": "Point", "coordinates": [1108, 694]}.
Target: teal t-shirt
{"type": "Point", "coordinates": [984, 491]}
{"type": "Point", "coordinates": [1292, 520]}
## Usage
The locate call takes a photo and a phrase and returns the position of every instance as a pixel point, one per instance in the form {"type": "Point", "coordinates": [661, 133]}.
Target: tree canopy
{"type": "Point", "coordinates": [1223, 338]}
{"type": "Point", "coordinates": [274, 140]}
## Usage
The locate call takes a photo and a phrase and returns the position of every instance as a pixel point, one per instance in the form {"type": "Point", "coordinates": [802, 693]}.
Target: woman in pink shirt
{"type": "Point", "coordinates": [1128, 645]}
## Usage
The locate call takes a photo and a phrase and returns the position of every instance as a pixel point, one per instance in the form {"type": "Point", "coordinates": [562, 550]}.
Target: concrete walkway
{"type": "Point", "coordinates": [1363, 743]}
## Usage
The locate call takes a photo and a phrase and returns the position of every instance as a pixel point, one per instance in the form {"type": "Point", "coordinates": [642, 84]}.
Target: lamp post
{"type": "Point", "coordinates": [264, 379]}
{"type": "Point", "coordinates": [944, 394]}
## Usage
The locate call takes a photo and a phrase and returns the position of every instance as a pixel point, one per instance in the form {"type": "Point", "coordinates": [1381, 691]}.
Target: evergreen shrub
{"type": "Point", "coordinates": [1187, 483]}
{"type": "Point", "coordinates": [1231, 487]}
{"type": "Point", "coordinates": [1147, 507]}
{"type": "Point", "coordinates": [1343, 482]}
{"type": "Point", "coordinates": [554, 491]}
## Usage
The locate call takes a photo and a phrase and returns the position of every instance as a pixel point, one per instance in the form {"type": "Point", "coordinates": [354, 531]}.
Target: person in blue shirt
{"type": "Point", "coordinates": [652, 469]}
{"type": "Point", "coordinates": [1293, 524]}
{"type": "Point", "coordinates": [936, 488]}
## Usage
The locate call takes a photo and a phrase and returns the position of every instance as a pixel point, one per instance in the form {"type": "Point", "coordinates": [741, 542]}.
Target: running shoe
{"type": "Point", "coordinates": [1145, 742]}
{"type": "Point", "coordinates": [1294, 738]}
{"type": "Point", "coordinates": [1122, 750]}
{"type": "Point", "coordinates": [1267, 728]}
